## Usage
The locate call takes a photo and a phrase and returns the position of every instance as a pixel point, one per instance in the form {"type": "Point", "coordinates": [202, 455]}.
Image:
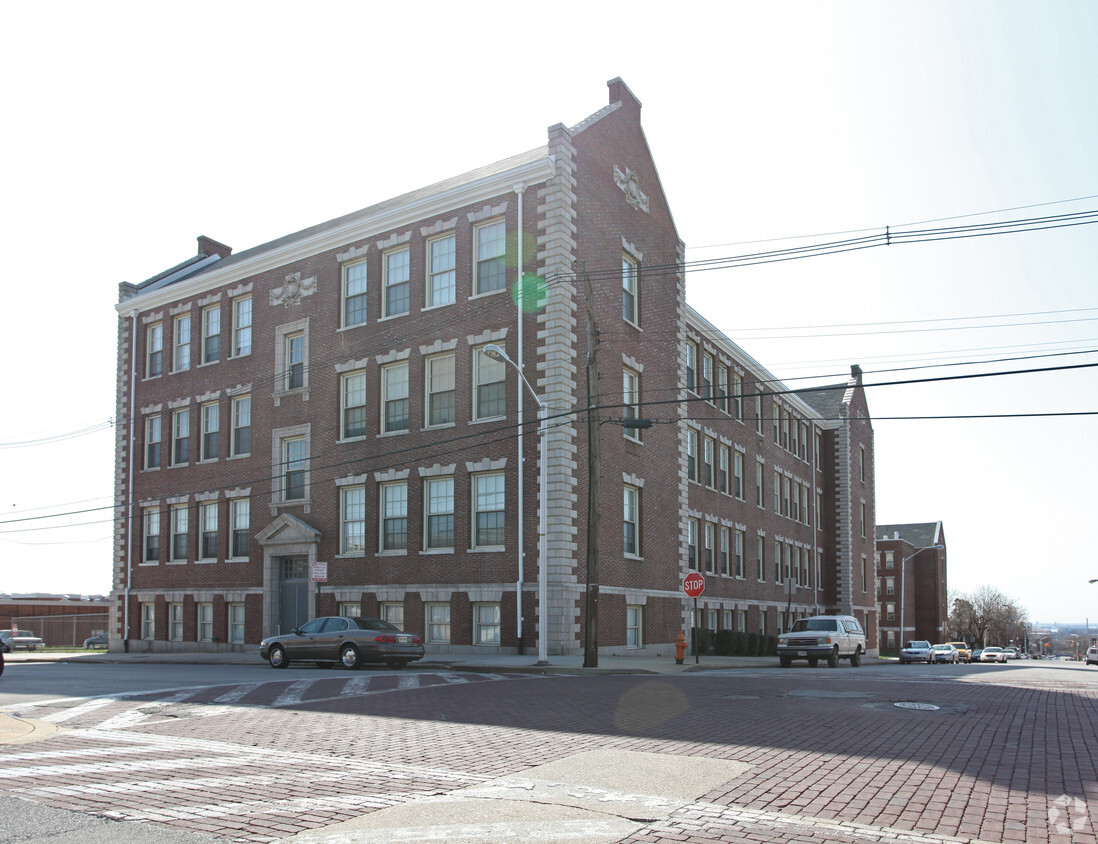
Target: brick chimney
{"type": "Point", "coordinates": [208, 246]}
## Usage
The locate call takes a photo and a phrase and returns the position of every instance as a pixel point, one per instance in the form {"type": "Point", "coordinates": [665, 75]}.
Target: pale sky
{"type": "Point", "coordinates": [132, 128]}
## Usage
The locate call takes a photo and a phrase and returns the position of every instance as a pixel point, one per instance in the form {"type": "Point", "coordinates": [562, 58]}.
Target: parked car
{"type": "Point", "coordinates": [964, 652]}
{"type": "Point", "coordinates": [1011, 653]}
{"type": "Point", "coordinates": [99, 640]}
{"type": "Point", "coordinates": [19, 640]}
{"type": "Point", "coordinates": [944, 653]}
{"type": "Point", "coordinates": [1092, 656]}
{"type": "Point", "coordinates": [351, 642]}
{"type": "Point", "coordinates": [916, 651]}
{"type": "Point", "coordinates": [993, 654]}
{"type": "Point", "coordinates": [826, 637]}
{"type": "Point", "coordinates": [976, 653]}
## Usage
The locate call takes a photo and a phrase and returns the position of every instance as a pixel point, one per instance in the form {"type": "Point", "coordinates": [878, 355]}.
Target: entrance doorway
{"type": "Point", "coordinates": [293, 592]}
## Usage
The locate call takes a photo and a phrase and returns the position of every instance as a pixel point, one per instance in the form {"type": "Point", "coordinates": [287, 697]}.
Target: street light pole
{"type": "Point", "coordinates": [903, 582]}
{"type": "Point", "coordinates": [496, 352]}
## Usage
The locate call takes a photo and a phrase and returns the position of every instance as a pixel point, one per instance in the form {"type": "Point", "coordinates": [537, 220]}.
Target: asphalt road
{"type": "Point", "coordinates": [905, 754]}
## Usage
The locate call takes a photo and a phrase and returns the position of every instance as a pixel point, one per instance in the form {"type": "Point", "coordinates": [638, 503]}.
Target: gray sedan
{"type": "Point", "coordinates": [351, 642]}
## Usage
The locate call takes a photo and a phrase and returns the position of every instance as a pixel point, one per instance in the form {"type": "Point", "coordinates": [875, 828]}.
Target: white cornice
{"type": "Point", "coordinates": [405, 214]}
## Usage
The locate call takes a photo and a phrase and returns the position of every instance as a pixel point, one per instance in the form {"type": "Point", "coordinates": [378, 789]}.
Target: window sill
{"type": "Point", "coordinates": [392, 553]}
{"type": "Point", "coordinates": [633, 557]}
{"type": "Point", "coordinates": [246, 354]}
{"type": "Point", "coordinates": [177, 562]}
{"type": "Point", "coordinates": [207, 461]}
{"type": "Point", "coordinates": [488, 549]}
{"type": "Point", "coordinates": [351, 555]}
{"type": "Point", "coordinates": [388, 317]}
{"type": "Point", "coordinates": [149, 563]}
{"type": "Point", "coordinates": [488, 293]}
{"type": "Point", "coordinates": [434, 552]}
{"type": "Point", "coordinates": [237, 559]}
{"type": "Point", "coordinates": [151, 469]}
{"type": "Point", "coordinates": [400, 433]}
{"type": "Point", "coordinates": [488, 419]}
{"type": "Point", "coordinates": [426, 308]}
{"type": "Point", "coordinates": [208, 363]}
{"type": "Point", "coordinates": [351, 439]}
{"type": "Point", "coordinates": [239, 456]}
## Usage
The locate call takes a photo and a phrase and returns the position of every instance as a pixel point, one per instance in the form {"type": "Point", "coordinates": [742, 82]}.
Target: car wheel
{"type": "Point", "coordinates": [903, 662]}
{"type": "Point", "coordinates": [348, 657]}
{"type": "Point", "coordinates": [785, 660]}
{"type": "Point", "coordinates": [277, 657]}
{"type": "Point", "coordinates": [833, 659]}
{"type": "Point", "coordinates": [856, 659]}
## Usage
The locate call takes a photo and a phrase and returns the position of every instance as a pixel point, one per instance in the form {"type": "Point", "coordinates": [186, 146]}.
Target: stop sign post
{"type": "Point", "coordinates": [694, 586]}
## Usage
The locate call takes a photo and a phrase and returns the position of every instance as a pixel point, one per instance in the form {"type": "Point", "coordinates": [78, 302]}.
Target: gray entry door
{"type": "Point", "coordinates": [293, 593]}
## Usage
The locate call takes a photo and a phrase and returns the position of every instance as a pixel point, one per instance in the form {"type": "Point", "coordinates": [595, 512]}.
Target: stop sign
{"type": "Point", "coordinates": [694, 585]}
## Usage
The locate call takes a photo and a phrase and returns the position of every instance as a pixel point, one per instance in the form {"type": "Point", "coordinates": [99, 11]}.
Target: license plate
{"type": "Point", "coordinates": [802, 653]}
{"type": "Point", "coordinates": [404, 640]}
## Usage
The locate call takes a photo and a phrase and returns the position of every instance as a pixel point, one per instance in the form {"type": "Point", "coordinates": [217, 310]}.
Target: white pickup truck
{"type": "Point", "coordinates": [826, 637]}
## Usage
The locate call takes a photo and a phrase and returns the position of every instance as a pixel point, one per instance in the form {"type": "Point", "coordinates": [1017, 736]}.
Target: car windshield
{"type": "Point", "coordinates": [803, 624]}
{"type": "Point", "coordinates": [917, 645]}
{"type": "Point", "coordinates": [992, 650]}
{"type": "Point", "coordinates": [943, 647]}
{"type": "Point", "coordinates": [373, 624]}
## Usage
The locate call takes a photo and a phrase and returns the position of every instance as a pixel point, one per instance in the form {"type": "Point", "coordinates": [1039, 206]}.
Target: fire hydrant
{"type": "Point", "coordinates": [680, 648]}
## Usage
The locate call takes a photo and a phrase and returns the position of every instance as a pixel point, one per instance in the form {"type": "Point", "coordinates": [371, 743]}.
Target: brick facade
{"type": "Point", "coordinates": [378, 442]}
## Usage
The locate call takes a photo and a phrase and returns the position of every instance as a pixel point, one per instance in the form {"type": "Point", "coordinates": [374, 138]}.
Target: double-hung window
{"type": "Point", "coordinates": [629, 300]}
{"type": "Point", "coordinates": [354, 294]}
{"type": "Point", "coordinates": [691, 365]}
{"type": "Point", "coordinates": [236, 623]}
{"type": "Point", "coordinates": [630, 400]}
{"type": "Point", "coordinates": [438, 623]}
{"type": "Point", "coordinates": [760, 493]}
{"type": "Point", "coordinates": [737, 396]}
{"type": "Point", "coordinates": [489, 386]}
{"type": "Point", "coordinates": [488, 516]}
{"type": "Point", "coordinates": [394, 516]}
{"type": "Point", "coordinates": [211, 334]}
{"type": "Point", "coordinates": [491, 251]}
{"type": "Point", "coordinates": [240, 512]}
{"type": "Point", "coordinates": [634, 626]}
{"type": "Point", "coordinates": [394, 397]}
{"type": "Point", "coordinates": [242, 425]}
{"type": "Point", "coordinates": [722, 387]}
{"type": "Point", "coordinates": [710, 541]}
{"type": "Point", "coordinates": [738, 551]}
{"type": "Point", "coordinates": [180, 531]}
{"type": "Point", "coordinates": [211, 428]}
{"type": "Point", "coordinates": [395, 282]}
{"type": "Point", "coordinates": [486, 624]}
{"type": "Point", "coordinates": [722, 469]}
{"type": "Point", "coordinates": [208, 517]}
{"type": "Point", "coordinates": [242, 326]}
{"type": "Point", "coordinates": [631, 519]}
{"type": "Point", "coordinates": [181, 435]}
{"type": "Point", "coordinates": [691, 455]}
{"type": "Point", "coordinates": [353, 519]}
{"type": "Point", "coordinates": [722, 566]}
{"type": "Point", "coordinates": [294, 360]}
{"type": "Point", "coordinates": [294, 462]}
{"type": "Point", "coordinates": [440, 390]}
{"type": "Point", "coordinates": [708, 458]}
{"type": "Point", "coordinates": [148, 620]}
{"type": "Point", "coordinates": [175, 622]}
{"type": "Point", "coordinates": [707, 377]}
{"type": "Point", "coordinates": [439, 495]}
{"type": "Point", "coordinates": [154, 350]}
{"type": "Point", "coordinates": [353, 395]}
{"type": "Point", "coordinates": [152, 535]}
{"type": "Point", "coordinates": [153, 436]}
{"type": "Point", "coordinates": [441, 271]}
{"type": "Point", "coordinates": [181, 347]}
{"type": "Point", "coordinates": [692, 544]}
{"type": "Point", "coordinates": [737, 473]}
{"type": "Point", "coordinates": [205, 622]}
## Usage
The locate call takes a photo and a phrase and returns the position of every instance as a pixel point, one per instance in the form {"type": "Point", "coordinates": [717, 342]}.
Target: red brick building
{"type": "Point", "coordinates": [912, 578]}
{"type": "Point", "coordinates": [337, 396]}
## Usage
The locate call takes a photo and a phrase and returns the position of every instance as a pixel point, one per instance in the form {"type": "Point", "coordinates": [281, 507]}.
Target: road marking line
{"type": "Point", "coordinates": [294, 693]}
{"type": "Point", "coordinates": [77, 711]}
{"type": "Point", "coordinates": [237, 693]}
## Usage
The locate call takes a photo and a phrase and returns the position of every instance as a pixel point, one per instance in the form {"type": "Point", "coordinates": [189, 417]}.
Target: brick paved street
{"type": "Point", "coordinates": [740, 755]}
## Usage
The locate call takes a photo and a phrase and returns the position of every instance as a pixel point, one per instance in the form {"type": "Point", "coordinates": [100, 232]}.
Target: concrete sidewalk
{"type": "Point", "coordinates": [508, 663]}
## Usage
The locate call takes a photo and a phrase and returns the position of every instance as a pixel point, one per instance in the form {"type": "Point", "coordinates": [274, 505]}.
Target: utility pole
{"type": "Point", "coordinates": [591, 605]}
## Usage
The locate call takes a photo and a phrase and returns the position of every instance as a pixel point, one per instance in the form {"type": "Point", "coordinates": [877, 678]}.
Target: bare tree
{"type": "Point", "coordinates": [988, 617]}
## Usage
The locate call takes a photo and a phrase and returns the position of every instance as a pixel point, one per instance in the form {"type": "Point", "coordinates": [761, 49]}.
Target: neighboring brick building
{"type": "Point", "coordinates": [330, 396]}
{"type": "Point", "coordinates": [914, 594]}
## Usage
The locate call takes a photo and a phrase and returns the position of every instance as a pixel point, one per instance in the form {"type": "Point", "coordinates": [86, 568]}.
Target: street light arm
{"type": "Point", "coordinates": [496, 353]}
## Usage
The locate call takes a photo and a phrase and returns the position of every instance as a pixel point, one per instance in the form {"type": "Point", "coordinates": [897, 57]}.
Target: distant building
{"type": "Point", "coordinates": [337, 396]}
{"type": "Point", "coordinates": [912, 583]}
